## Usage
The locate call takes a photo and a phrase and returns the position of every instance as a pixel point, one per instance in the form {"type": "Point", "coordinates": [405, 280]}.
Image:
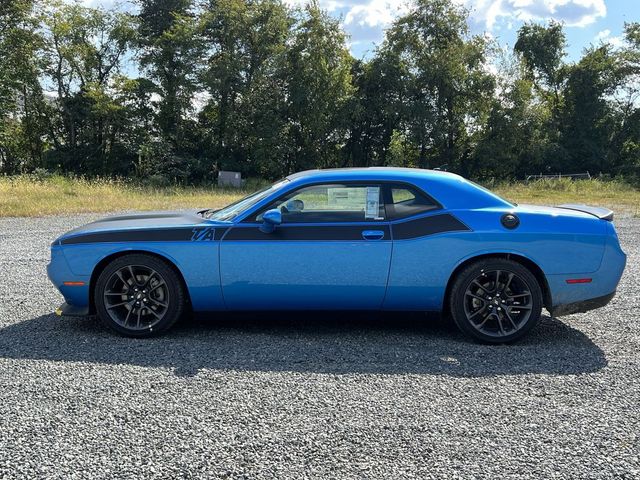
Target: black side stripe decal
{"type": "Point", "coordinates": [417, 228]}
{"type": "Point", "coordinates": [422, 227]}
{"type": "Point", "coordinates": [152, 235]}
{"type": "Point", "coordinates": [301, 233]}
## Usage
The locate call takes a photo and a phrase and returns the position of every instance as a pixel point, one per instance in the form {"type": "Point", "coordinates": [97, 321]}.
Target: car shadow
{"type": "Point", "coordinates": [339, 343]}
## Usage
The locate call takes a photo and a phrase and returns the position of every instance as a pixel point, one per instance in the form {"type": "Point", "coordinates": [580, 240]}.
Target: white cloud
{"type": "Point", "coordinates": [616, 41]}
{"type": "Point", "coordinates": [363, 20]}
{"type": "Point", "coordinates": [372, 13]}
{"type": "Point", "coordinates": [605, 37]}
{"type": "Point", "coordinates": [375, 12]}
{"type": "Point", "coordinates": [98, 3]}
{"type": "Point", "coordinates": [573, 13]}
{"type": "Point", "coordinates": [381, 13]}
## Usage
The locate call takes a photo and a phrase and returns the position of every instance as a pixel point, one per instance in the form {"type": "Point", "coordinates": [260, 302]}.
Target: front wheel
{"type": "Point", "coordinates": [139, 296]}
{"type": "Point", "coordinates": [496, 301]}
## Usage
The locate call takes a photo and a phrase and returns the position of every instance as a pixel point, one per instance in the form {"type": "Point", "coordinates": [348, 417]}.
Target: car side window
{"type": "Point", "coordinates": [407, 201]}
{"type": "Point", "coordinates": [331, 203]}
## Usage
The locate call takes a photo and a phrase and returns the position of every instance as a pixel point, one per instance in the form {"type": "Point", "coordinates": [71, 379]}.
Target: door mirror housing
{"type": "Point", "coordinates": [270, 220]}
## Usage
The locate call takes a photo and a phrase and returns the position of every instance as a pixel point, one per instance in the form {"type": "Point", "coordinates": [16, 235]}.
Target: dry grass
{"type": "Point", "coordinates": [613, 194]}
{"type": "Point", "coordinates": [25, 196]}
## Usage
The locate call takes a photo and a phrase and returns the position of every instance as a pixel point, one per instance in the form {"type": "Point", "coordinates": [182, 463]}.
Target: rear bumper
{"type": "Point", "coordinates": [600, 285]}
{"type": "Point", "coordinates": [582, 306]}
{"type": "Point", "coordinates": [66, 310]}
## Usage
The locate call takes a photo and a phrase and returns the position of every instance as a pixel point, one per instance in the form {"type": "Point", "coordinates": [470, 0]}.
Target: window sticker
{"type": "Point", "coordinates": [347, 198]}
{"type": "Point", "coordinates": [373, 203]}
{"type": "Point", "coordinates": [338, 197]}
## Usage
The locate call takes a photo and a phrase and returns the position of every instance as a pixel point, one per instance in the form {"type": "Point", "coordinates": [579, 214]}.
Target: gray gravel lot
{"type": "Point", "coordinates": [304, 396]}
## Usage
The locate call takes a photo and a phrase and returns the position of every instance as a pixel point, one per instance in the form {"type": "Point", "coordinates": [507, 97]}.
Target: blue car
{"type": "Point", "coordinates": [359, 239]}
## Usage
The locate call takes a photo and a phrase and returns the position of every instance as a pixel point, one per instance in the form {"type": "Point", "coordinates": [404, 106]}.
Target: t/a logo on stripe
{"type": "Point", "coordinates": [203, 234]}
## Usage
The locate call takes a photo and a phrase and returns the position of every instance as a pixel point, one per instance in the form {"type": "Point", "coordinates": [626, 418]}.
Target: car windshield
{"type": "Point", "coordinates": [230, 212]}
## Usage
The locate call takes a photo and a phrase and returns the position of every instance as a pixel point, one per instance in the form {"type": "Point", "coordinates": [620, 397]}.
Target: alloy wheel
{"type": "Point", "coordinates": [136, 297]}
{"type": "Point", "coordinates": [498, 303]}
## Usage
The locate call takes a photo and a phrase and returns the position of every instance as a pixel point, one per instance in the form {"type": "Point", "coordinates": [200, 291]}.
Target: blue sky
{"type": "Point", "coordinates": [586, 21]}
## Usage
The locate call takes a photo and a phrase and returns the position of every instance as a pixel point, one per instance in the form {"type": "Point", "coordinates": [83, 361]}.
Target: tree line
{"type": "Point", "coordinates": [177, 89]}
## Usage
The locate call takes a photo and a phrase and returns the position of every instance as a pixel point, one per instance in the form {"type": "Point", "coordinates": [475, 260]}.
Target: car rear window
{"type": "Point", "coordinates": [407, 201]}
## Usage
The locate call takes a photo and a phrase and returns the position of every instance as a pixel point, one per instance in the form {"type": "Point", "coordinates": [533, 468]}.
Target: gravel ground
{"type": "Point", "coordinates": [285, 396]}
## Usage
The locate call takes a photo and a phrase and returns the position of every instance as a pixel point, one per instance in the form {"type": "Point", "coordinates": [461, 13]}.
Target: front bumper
{"type": "Point", "coordinates": [582, 306]}
{"type": "Point", "coordinates": [59, 272]}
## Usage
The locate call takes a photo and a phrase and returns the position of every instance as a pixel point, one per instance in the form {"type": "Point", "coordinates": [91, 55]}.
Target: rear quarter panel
{"type": "Point", "coordinates": [421, 268]}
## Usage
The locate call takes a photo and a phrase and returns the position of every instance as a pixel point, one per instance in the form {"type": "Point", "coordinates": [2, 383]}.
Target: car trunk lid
{"type": "Point", "coordinates": [599, 212]}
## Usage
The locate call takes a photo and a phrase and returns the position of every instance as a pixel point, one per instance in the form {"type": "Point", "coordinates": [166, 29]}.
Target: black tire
{"type": "Point", "coordinates": [139, 295]}
{"type": "Point", "coordinates": [496, 300]}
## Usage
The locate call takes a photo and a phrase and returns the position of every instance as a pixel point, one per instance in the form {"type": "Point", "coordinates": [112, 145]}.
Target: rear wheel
{"type": "Point", "coordinates": [496, 300]}
{"type": "Point", "coordinates": [139, 296]}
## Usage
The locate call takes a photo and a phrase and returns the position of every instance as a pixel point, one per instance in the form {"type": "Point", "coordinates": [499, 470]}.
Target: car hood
{"type": "Point", "coordinates": [142, 221]}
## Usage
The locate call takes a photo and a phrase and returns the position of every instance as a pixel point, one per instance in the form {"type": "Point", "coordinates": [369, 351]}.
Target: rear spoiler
{"type": "Point", "coordinates": [601, 213]}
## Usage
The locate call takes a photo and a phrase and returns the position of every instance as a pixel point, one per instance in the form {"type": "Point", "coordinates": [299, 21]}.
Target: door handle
{"type": "Point", "coordinates": [373, 234]}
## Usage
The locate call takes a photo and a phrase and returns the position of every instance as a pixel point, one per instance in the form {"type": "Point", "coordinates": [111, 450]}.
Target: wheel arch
{"type": "Point", "coordinates": [101, 265]}
{"type": "Point", "coordinates": [529, 264]}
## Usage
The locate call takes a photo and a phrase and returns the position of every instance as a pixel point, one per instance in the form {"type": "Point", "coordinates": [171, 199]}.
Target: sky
{"type": "Point", "coordinates": [586, 21]}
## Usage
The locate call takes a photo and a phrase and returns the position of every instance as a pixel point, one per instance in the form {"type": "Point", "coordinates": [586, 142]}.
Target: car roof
{"type": "Point", "coordinates": [371, 172]}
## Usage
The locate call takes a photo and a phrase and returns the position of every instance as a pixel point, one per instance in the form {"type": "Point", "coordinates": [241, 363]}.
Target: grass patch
{"type": "Point", "coordinates": [614, 194]}
{"type": "Point", "coordinates": [26, 196]}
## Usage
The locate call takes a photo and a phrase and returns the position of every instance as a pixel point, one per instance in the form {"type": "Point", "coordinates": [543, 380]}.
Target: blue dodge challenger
{"type": "Point", "coordinates": [361, 239]}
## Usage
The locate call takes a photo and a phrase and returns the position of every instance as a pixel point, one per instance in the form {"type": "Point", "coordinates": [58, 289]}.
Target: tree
{"type": "Point", "coordinates": [512, 142]}
{"type": "Point", "coordinates": [245, 44]}
{"type": "Point", "coordinates": [446, 84]}
{"type": "Point", "coordinates": [170, 51]}
{"type": "Point", "coordinates": [318, 88]}
{"type": "Point", "coordinates": [20, 92]}
{"type": "Point", "coordinates": [83, 52]}
{"type": "Point", "coordinates": [626, 138]}
{"type": "Point", "coordinates": [257, 86]}
{"type": "Point", "coordinates": [588, 116]}
{"type": "Point", "coordinates": [541, 50]}
{"type": "Point", "coordinates": [375, 112]}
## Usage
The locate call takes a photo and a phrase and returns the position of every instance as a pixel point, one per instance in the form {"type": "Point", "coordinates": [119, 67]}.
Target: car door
{"type": "Point", "coordinates": [331, 251]}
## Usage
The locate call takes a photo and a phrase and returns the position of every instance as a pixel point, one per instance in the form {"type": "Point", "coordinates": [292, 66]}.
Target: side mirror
{"type": "Point", "coordinates": [270, 220]}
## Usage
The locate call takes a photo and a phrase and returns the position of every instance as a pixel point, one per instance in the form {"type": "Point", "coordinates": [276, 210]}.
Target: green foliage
{"type": "Point", "coordinates": [588, 116]}
{"type": "Point", "coordinates": [318, 89]}
{"type": "Point", "coordinates": [402, 151]}
{"type": "Point", "coordinates": [170, 49]}
{"type": "Point", "coordinates": [20, 91]}
{"type": "Point", "coordinates": [183, 88]}
{"type": "Point", "coordinates": [445, 85]}
{"type": "Point", "coordinates": [542, 49]}
{"type": "Point", "coordinates": [243, 119]}
{"type": "Point", "coordinates": [82, 54]}
{"type": "Point", "coordinates": [160, 164]}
